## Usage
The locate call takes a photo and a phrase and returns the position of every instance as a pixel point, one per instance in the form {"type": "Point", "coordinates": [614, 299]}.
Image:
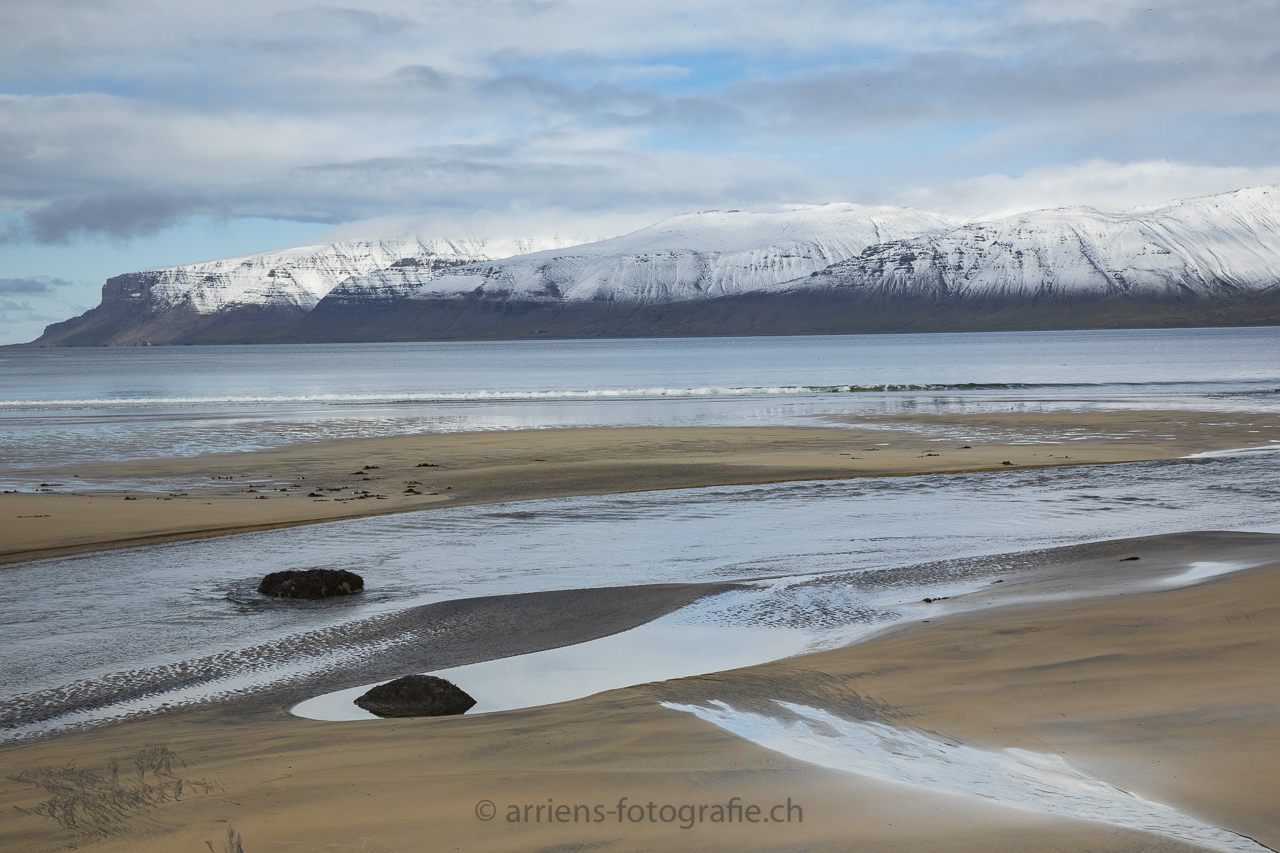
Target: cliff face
{"type": "Point", "coordinates": [827, 269]}
{"type": "Point", "coordinates": [241, 298]}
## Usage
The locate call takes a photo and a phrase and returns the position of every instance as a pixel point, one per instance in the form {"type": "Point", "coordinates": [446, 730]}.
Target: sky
{"type": "Point", "coordinates": [137, 134]}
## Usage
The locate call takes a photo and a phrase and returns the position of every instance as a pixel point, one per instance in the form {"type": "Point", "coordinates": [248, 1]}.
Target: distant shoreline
{"type": "Point", "coordinates": [802, 313]}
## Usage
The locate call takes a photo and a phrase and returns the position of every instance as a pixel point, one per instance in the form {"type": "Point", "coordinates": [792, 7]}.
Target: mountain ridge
{"type": "Point", "coordinates": [1210, 260]}
{"type": "Point", "coordinates": [1181, 249]}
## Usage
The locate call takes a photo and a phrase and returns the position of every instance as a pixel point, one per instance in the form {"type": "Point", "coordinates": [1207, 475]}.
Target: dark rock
{"type": "Point", "coordinates": [416, 696]}
{"type": "Point", "coordinates": [311, 583]}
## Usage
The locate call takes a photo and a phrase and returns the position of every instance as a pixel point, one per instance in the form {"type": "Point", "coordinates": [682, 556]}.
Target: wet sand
{"type": "Point", "coordinates": [1170, 694]}
{"type": "Point", "coordinates": [426, 638]}
{"type": "Point", "coordinates": [182, 498]}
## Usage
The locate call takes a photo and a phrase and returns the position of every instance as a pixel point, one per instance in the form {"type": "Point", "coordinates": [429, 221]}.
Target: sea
{"type": "Point", "coordinates": [822, 563]}
{"type": "Point", "coordinates": [62, 406]}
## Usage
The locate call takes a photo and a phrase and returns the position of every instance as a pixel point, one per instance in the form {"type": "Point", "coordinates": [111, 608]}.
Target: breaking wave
{"type": "Point", "coordinates": [402, 398]}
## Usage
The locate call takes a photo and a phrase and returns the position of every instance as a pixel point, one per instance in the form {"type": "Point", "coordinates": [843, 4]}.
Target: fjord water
{"type": "Point", "coordinates": [62, 406]}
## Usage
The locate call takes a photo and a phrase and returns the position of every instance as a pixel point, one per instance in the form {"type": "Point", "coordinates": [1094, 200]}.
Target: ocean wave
{"type": "Point", "coordinates": [1258, 393]}
{"type": "Point", "coordinates": [484, 395]}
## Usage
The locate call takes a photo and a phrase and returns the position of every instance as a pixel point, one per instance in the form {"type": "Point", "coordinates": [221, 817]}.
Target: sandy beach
{"type": "Point", "coordinates": [211, 495]}
{"type": "Point", "coordinates": [1162, 693]}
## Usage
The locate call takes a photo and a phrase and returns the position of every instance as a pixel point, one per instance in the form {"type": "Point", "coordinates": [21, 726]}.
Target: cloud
{"type": "Point", "coordinates": [118, 216]}
{"type": "Point", "coordinates": [22, 320]}
{"type": "Point", "coordinates": [596, 175]}
{"type": "Point", "coordinates": [28, 304]}
{"type": "Point", "coordinates": [552, 226]}
{"type": "Point", "coordinates": [41, 284]}
{"type": "Point", "coordinates": [122, 117]}
{"type": "Point", "coordinates": [1094, 183]}
{"type": "Point", "coordinates": [424, 76]}
{"type": "Point", "coordinates": [344, 22]}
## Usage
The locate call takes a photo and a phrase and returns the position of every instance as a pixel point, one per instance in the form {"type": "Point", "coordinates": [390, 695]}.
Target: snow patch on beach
{"type": "Point", "coordinates": [1017, 778]}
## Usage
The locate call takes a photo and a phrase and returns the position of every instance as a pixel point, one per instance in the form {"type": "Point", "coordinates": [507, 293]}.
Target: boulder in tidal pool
{"type": "Point", "coordinates": [416, 696]}
{"type": "Point", "coordinates": [311, 583]}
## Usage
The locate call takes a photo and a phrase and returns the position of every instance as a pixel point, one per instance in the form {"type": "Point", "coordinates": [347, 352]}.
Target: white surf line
{"type": "Point", "coordinates": [1237, 451]}
{"type": "Point", "coordinates": [1017, 778]}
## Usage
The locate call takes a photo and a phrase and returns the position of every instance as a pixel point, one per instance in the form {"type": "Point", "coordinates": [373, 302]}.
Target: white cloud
{"type": "Point", "coordinates": [439, 111]}
{"type": "Point", "coordinates": [1095, 183]}
{"type": "Point", "coordinates": [509, 232]}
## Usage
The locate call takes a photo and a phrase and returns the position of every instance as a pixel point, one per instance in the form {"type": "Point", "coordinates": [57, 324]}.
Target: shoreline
{"type": "Point", "coordinates": [443, 634]}
{"type": "Point", "coordinates": [1164, 693]}
{"type": "Point", "coordinates": [456, 632]}
{"type": "Point", "coordinates": [338, 480]}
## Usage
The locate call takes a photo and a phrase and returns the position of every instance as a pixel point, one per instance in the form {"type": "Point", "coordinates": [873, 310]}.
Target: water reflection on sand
{"type": "Point", "coordinates": [132, 615]}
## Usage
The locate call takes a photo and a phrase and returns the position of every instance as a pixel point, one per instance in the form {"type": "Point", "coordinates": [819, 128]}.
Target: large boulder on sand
{"type": "Point", "coordinates": [311, 583]}
{"type": "Point", "coordinates": [416, 696]}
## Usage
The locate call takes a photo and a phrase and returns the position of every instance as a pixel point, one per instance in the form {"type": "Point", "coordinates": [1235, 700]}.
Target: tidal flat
{"type": "Point", "coordinates": [667, 598]}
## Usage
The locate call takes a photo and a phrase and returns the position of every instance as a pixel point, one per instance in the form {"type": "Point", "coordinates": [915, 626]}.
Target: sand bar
{"type": "Point", "coordinates": [189, 497]}
{"type": "Point", "coordinates": [1168, 694]}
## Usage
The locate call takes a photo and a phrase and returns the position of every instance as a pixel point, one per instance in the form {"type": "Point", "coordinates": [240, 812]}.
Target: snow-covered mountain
{"type": "Point", "coordinates": [292, 278]}
{"type": "Point", "coordinates": [692, 256]}
{"type": "Point", "coordinates": [832, 268]}
{"type": "Point", "coordinates": [1212, 247]}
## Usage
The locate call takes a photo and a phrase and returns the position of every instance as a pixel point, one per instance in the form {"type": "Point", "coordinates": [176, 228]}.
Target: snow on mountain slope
{"type": "Point", "coordinates": [851, 268]}
{"type": "Point", "coordinates": [692, 256]}
{"type": "Point", "coordinates": [298, 277]}
{"type": "Point", "coordinates": [1212, 246]}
